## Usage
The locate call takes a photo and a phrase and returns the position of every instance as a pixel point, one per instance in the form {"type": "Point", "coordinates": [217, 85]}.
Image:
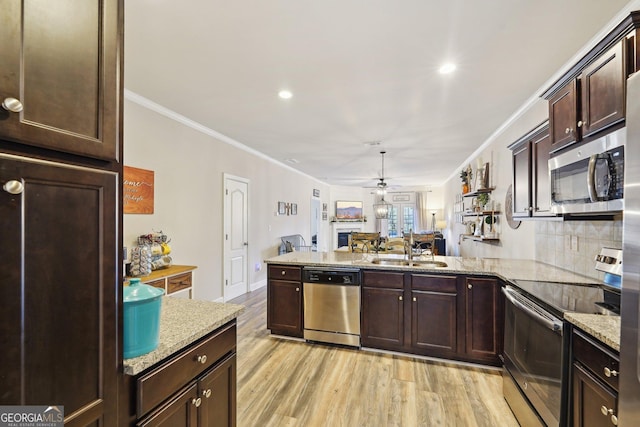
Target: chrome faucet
{"type": "Point", "coordinates": [408, 245]}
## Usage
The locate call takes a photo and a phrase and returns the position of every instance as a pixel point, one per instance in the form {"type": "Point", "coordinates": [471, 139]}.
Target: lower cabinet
{"type": "Point", "coordinates": [284, 300]}
{"type": "Point", "coordinates": [447, 316]}
{"type": "Point", "coordinates": [195, 387]}
{"type": "Point", "coordinates": [595, 383]}
{"type": "Point", "coordinates": [383, 310]}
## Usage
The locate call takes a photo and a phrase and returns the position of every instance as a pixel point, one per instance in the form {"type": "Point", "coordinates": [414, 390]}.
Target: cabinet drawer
{"type": "Point", "coordinates": [159, 283]}
{"type": "Point", "coordinates": [156, 385]}
{"type": "Point", "coordinates": [383, 279]}
{"type": "Point", "coordinates": [285, 272]}
{"type": "Point", "coordinates": [426, 282]}
{"type": "Point", "coordinates": [179, 282]}
{"type": "Point", "coordinates": [595, 357]}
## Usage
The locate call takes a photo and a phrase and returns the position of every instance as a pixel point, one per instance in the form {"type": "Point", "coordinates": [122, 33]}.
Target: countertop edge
{"type": "Point", "coordinates": [605, 329]}
{"type": "Point", "coordinates": [179, 329]}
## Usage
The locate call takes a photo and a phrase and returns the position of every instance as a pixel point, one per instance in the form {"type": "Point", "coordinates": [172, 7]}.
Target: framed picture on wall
{"type": "Point", "coordinates": [346, 210]}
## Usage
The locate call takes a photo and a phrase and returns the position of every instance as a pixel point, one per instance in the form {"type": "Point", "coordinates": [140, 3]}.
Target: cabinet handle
{"type": "Point", "coordinates": [610, 373]}
{"type": "Point", "coordinates": [13, 187]}
{"type": "Point", "coordinates": [297, 289]}
{"type": "Point", "coordinates": [197, 402]}
{"type": "Point", "coordinates": [400, 298]}
{"type": "Point", "coordinates": [580, 123]}
{"type": "Point", "coordinates": [567, 130]}
{"type": "Point", "coordinates": [284, 272]}
{"type": "Point", "coordinates": [202, 359]}
{"type": "Point", "coordinates": [12, 105]}
{"type": "Point", "coordinates": [206, 393]}
{"type": "Point", "coordinates": [614, 420]}
{"type": "Point", "coordinates": [414, 299]}
{"type": "Point", "coordinates": [470, 286]}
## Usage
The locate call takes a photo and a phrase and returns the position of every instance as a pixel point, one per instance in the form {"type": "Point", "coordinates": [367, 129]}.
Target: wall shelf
{"type": "Point", "coordinates": [479, 191]}
{"type": "Point", "coordinates": [480, 238]}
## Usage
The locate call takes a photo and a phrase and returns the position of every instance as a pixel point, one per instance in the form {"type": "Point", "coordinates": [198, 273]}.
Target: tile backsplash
{"type": "Point", "coordinates": [573, 245]}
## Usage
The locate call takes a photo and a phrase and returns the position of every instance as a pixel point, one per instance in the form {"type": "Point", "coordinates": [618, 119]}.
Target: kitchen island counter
{"type": "Point", "coordinates": [504, 268]}
{"type": "Point", "coordinates": [182, 322]}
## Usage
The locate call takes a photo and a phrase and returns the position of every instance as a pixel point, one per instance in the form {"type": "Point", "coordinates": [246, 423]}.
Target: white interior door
{"type": "Point", "coordinates": [236, 241]}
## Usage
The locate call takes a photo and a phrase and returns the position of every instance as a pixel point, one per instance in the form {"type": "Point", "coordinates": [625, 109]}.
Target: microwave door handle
{"type": "Point", "coordinates": [554, 326]}
{"type": "Point", "coordinates": [591, 178]}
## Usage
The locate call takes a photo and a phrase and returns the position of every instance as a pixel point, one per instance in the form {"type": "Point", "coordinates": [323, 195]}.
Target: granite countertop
{"type": "Point", "coordinates": [505, 268]}
{"type": "Point", "coordinates": [182, 322]}
{"type": "Point", "coordinates": [604, 328]}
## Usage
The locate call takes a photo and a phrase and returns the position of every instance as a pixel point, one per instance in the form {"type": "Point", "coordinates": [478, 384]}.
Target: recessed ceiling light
{"type": "Point", "coordinates": [447, 68]}
{"type": "Point", "coordinates": [292, 161]}
{"type": "Point", "coordinates": [285, 94]}
{"type": "Point", "coordinates": [372, 143]}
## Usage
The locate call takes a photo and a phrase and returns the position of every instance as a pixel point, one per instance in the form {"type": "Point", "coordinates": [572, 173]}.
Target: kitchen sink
{"type": "Point", "coordinates": [407, 263]}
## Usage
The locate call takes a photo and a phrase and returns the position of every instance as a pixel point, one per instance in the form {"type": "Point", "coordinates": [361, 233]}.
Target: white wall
{"type": "Point", "coordinates": [189, 167]}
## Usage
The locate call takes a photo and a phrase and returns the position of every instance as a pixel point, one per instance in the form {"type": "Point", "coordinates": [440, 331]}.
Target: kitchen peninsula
{"type": "Point", "coordinates": [402, 303]}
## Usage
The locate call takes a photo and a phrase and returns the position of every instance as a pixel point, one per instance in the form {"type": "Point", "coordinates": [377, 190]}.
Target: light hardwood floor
{"type": "Point", "coordinates": [284, 382]}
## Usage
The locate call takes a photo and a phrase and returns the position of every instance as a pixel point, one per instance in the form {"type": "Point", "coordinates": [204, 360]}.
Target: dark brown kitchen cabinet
{"type": "Point", "coordinates": [563, 116]}
{"type": "Point", "coordinates": [591, 101]}
{"type": "Point", "coordinates": [448, 316]}
{"type": "Point", "coordinates": [603, 85]}
{"type": "Point", "coordinates": [484, 319]}
{"type": "Point", "coordinates": [195, 387]}
{"type": "Point", "coordinates": [436, 300]}
{"type": "Point", "coordinates": [284, 300]}
{"type": "Point", "coordinates": [595, 382]}
{"type": "Point", "coordinates": [531, 186]}
{"type": "Point", "coordinates": [61, 61]}
{"type": "Point", "coordinates": [383, 310]}
{"type": "Point", "coordinates": [59, 286]}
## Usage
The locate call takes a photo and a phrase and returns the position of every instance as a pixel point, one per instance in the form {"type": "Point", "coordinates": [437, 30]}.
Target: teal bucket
{"type": "Point", "coordinates": [141, 318]}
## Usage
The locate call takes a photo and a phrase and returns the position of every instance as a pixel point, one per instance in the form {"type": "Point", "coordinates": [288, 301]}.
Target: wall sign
{"type": "Point", "coordinates": [137, 191]}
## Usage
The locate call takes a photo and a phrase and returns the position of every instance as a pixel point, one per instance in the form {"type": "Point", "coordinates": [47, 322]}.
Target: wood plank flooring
{"type": "Point", "coordinates": [283, 382]}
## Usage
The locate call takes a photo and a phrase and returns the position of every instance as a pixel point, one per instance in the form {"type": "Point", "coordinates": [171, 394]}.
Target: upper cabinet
{"type": "Point", "coordinates": [60, 76]}
{"type": "Point", "coordinates": [591, 102]}
{"type": "Point", "coordinates": [591, 96]}
{"type": "Point", "coordinates": [531, 186]}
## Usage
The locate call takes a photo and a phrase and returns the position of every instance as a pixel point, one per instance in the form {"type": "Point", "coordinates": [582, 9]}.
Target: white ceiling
{"type": "Point", "coordinates": [360, 71]}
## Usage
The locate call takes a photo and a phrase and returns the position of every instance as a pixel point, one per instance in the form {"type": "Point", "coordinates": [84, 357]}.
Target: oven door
{"type": "Point", "coordinates": [534, 350]}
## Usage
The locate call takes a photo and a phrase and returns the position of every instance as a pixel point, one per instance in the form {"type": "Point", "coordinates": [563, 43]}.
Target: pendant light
{"type": "Point", "coordinates": [381, 208]}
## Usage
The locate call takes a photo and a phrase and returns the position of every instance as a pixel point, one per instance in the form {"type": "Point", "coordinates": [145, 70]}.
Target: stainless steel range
{"type": "Point", "coordinates": [536, 347]}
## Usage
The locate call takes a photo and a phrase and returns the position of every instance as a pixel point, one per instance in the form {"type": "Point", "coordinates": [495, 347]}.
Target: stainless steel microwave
{"type": "Point", "coordinates": [590, 177]}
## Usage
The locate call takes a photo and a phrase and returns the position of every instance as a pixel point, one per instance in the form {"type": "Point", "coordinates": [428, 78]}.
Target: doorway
{"type": "Point", "coordinates": [236, 241]}
{"type": "Point", "coordinates": [315, 224]}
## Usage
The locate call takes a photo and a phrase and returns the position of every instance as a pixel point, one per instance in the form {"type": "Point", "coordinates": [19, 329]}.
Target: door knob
{"type": "Point", "coordinates": [13, 187]}
{"type": "Point", "coordinates": [12, 105]}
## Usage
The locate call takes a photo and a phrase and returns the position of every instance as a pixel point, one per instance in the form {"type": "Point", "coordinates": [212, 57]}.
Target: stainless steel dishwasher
{"type": "Point", "coordinates": [332, 305]}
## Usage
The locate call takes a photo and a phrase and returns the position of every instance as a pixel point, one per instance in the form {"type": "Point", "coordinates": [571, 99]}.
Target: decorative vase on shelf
{"type": "Point", "coordinates": [465, 188]}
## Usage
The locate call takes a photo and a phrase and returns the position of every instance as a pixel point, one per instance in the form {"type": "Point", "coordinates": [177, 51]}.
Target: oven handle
{"type": "Point", "coordinates": [549, 323]}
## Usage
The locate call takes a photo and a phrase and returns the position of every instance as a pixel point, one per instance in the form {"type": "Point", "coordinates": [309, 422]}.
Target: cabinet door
{"type": "Point", "coordinates": [522, 181]}
{"type": "Point", "coordinates": [180, 411]}
{"type": "Point", "coordinates": [383, 318]}
{"type": "Point", "coordinates": [541, 185]}
{"type": "Point", "coordinates": [61, 61]}
{"type": "Point", "coordinates": [218, 393]}
{"type": "Point", "coordinates": [484, 319]}
{"type": "Point", "coordinates": [284, 307]}
{"type": "Point", "coordinates": [59, 285]}
{"type": "Point", "coordinates": [436, 310]}
{"type": "Point", "coordinates": [594, 404]}
{"type": "Point", "coordinates": [563, 113]}
{"type": "Point", "coordinates": [603, 91]}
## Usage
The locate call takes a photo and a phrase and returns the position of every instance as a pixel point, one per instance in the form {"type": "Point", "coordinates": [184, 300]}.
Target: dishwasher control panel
{"type": "Point", "coordinates": [332, 276]}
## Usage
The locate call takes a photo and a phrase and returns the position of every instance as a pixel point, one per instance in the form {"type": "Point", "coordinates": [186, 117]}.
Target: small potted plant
{"type": "Point", "coordinates": [482, 199]}
{"type": "Point", "coordinates": [465, 176]}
